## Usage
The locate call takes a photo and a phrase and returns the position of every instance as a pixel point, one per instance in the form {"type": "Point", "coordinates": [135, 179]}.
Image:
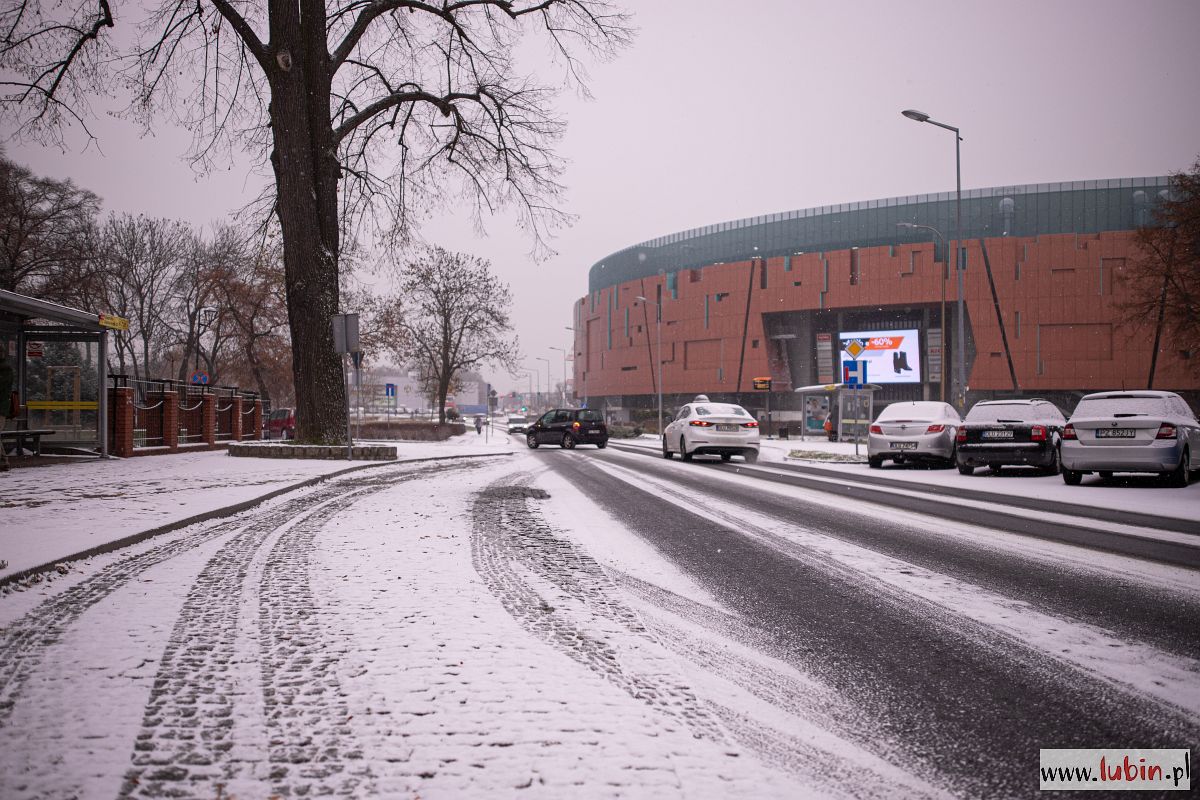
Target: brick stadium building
{"type": "Point", "coordinates": [774, 295]}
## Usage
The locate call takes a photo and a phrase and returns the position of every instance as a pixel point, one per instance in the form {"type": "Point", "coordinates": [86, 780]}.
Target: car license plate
{"type": "Point", "coordinates": [726, 427]}
{"type": "Point", "coordinates": [1115, 433]}
{"type": "Point", "coordinates": [997, 434]}
{"type": "Point", "coordinates": [904, 445]}
{"type": "Point", "coordinates": [593, 430]}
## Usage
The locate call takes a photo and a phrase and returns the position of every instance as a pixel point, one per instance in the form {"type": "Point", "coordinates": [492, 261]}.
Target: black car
{"type": "Point", "coordinates": [1000, 433]}
{"type": "Point", "coordinates": [567, 427]}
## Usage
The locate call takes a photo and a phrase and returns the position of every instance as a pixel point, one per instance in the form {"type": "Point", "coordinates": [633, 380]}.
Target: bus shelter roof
{"type": "Point", "coordinates": [832, 388]}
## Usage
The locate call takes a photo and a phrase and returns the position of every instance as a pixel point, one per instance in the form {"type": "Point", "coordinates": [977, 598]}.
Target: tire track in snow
{"type": "Point", "coordinates": [521, 560]}
{"type": "Point", "coordinates": [186, 744]}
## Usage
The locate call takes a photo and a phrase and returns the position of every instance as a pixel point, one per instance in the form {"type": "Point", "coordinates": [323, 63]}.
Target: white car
{"type": "Point", "coordinates": [705, 428]}
{"type": "Point", "coordinates": [1131, 431]}
{"type": "Point", "coordinates": [913, 430]}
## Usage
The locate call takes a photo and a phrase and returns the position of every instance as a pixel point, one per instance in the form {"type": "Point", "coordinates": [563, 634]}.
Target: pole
{"type": "Point", "coordinates": [961, 345]}
{"type": "Point", "coordinates": [658, 314]}
{"type": "Point", "coordinates": [346, 381]}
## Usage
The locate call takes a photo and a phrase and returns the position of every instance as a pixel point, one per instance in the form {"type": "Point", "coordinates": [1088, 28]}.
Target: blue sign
{"type": "Point", "coordinates": [389, 390]}
{"type": "Point", "coordinates": [854, 373]}
{"type": "Point", "coordinates": [200, 378]}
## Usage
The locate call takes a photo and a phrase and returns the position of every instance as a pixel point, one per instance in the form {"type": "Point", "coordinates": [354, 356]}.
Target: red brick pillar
{"type": "Point", "coordinates": [235, 434]}
{"type": "Point", "coordinates": [256, 420]}
{"type": "Point", "coordinates": [170, 418]}
{"type": "Point", "coordinates": [209, 426]}
{"type": "Point", "coordinates": [120, 422]}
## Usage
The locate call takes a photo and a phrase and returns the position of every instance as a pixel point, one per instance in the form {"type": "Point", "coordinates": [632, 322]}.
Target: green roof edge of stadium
{"type": "Point", "coordinates": [1109, 211]}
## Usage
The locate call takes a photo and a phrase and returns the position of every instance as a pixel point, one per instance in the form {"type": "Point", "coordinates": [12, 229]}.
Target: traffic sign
{"type": "Point", "coordinates": [114, 322]}
{"type": "Point", "coordinates": [34, 350]}
{"type": "Point", "coordinates": [200, 378]}
{"type": "Point", "coordinates": [854, 372]}
{"type": "Point", "coordinates": [389, 390]}
{"type": "Point", "coordinates": [855, 348]}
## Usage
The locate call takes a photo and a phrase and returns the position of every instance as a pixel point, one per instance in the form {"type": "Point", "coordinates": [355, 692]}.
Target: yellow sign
{"type": "Point", "coordinates": [63, 405]}
{"type": "Point", "coordinates": [114, 322]}
{"type": "Point", "coordinates": [762, 384]}
{"type": "Point", "coordinates": [855, 348]}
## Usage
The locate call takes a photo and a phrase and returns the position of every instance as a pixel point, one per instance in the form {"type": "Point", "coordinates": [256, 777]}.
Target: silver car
{"type": "Point", "coordinates": [1138, 431]}
{"type": "Point", "coordinates": [915, 430]}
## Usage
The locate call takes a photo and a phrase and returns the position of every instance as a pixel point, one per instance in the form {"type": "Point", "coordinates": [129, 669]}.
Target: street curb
{"type": "Point", "coordinates": [218, 513]}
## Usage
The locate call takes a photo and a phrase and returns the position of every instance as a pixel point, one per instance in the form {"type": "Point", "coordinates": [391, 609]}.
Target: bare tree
{"type": "Point", "coordinates": [142, 258]}
{"type": "Point", "coordinates": [370, 112]}
{"type": "Point", "coordinates": [46, 233]}
{"type": "Point", "coordinates": [1163, 284]}
{"type": "Point", "coordinates": [455, 318]}
{"type": "Point", "coordinates": [250, 288]}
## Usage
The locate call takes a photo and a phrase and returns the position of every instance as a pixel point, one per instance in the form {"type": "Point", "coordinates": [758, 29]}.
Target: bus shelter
{"type": "Point", "coordinates": [60, 357]}
{"type": "Point", "coordinates": [851, 409]}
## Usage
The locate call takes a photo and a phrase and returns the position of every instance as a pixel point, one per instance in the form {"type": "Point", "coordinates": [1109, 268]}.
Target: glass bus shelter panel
{"type": "Point", "coordinates": [62, 386]}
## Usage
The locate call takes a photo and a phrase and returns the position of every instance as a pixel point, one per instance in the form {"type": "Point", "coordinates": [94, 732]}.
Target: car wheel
{"type": "Point", "coordinates": [725, 456]}
{"type": "Point", "coordinates": [601, 445]}
{"type": "Point", "coordinates": [1180, 475]}
{"type": "Point", "coordinates": [751, 456]}
{"type": "Point", "coordinates": [568, 442]}
{"type": "Point", "coordinates": [666, 449]}
{"type": "Point", "coordinates": [875, 462]}
{"type": "Point", "coordinates": [1053, 467]}
{"type": "Point", "coordinates": [1071, 477]}
{"type": "Point", "coordinates": [683, 451]}
{"type": "Point", "coordinates": [531, 441]}
{"type": "Point", "coordinates": [964, 469]}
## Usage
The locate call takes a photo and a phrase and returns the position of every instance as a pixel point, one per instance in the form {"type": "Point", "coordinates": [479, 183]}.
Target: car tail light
{"type": "Point", "coordinates": [935, 429]}
{"type": "Point", "coordinates": [1037, 433]}
{"type": "Point", "coordinates": [1069, 432]}
{"type": "Point", "coordinates": [961, 436]}
{"type": "Point", "coordinates": [700, 423]}
{"type": "Point", "coordinates": [1166, 431]}
{"type": "Point", "coordinates": [749, 424]}
{"type": "Point", "coordinates": [876, 429]}
{"type": "Point", "coordinates": [575, 425]}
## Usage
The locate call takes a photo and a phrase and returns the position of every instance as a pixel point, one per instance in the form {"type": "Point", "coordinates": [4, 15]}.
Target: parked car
{"type": "Point", "coordinates": [913, 431]}
{"type": "Point", "coordinates": [568, 427]}
{"type": "Point", "coordinates": [281, 424]}
{"type": "Point", "coordinates": [705, 428]}
{"type": "Point", "coordinates": [1000, 433]}
{"type": "Point", "coordinates": [517, 423]}
{"type": "Point", "coordinates": [1138, 431]}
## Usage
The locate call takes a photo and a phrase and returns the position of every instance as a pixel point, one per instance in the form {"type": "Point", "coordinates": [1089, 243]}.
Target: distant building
{"type": "Point", "coordinates": [779, 295]}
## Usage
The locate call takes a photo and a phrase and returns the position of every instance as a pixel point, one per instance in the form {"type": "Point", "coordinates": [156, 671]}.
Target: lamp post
{"type": "Point", "coordinates": [658, 326]}
{"type": "Point", "coordinates": [539, 358]}
{"type": "Point", "coordinates": [563, 350]}
{"type": "Point", "coordinates": [942, 314]}
{"type": "Point", "coordinates": [533, 374]}
{"type": "Point", "coordinates": [960, 355]}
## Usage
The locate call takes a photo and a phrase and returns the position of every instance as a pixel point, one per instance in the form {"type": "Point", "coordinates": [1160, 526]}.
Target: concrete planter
{"type": "Point", "coordinates": [373, 452]}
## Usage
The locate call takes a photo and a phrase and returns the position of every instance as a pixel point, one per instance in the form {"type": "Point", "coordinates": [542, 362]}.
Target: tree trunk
{"type": "Point", "coordinates": [306, 172]}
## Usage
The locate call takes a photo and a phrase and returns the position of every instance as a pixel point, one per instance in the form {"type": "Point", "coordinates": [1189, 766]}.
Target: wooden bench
{"type": "Point", "coordinates": [21, 436]}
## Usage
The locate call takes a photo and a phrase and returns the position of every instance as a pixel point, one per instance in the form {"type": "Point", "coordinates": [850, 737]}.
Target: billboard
{"type": "Point", "coordinates": [891, 356]}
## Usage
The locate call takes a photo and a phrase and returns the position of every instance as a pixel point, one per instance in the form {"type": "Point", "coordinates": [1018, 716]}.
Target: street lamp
{"type": "Point", "coordinates": [531, 374]}
{"type": "Point", "coordinates": [942, 315]}
{"type": "Point", "coordinates": [563, 350]}
{"type": "Point", "coordinates": [539, 358]}
{"type": "Point", "coordinates": [960, 333]}
{"type": "Point", "coordinates": [658, 325]}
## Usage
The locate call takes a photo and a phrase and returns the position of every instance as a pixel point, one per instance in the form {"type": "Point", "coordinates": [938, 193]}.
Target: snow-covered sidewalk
{"type": "Point", "coordinates": [53, 512]}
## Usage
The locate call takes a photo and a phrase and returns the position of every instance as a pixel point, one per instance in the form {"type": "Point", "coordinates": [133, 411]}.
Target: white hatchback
{"type": "Point", "coordinates": [705, 428]}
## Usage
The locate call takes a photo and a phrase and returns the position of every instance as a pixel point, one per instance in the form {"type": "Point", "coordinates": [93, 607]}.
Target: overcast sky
{"type": "Point", "coordinates": [722, 110]}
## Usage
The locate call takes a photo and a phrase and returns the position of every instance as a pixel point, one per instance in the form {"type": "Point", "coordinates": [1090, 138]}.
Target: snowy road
{"type": "Point", "coordinates": [586, 624]}
{"type": "Point", "coordinates": [964, 649]}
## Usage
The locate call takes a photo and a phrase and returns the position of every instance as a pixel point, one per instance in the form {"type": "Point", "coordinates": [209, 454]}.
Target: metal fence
{"type": "Point", "coordinates": [191, 412]}
{"type": "Point", "coordinates": [224, 411]}
{"type": "Point", "coordinates": [149, 409]}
